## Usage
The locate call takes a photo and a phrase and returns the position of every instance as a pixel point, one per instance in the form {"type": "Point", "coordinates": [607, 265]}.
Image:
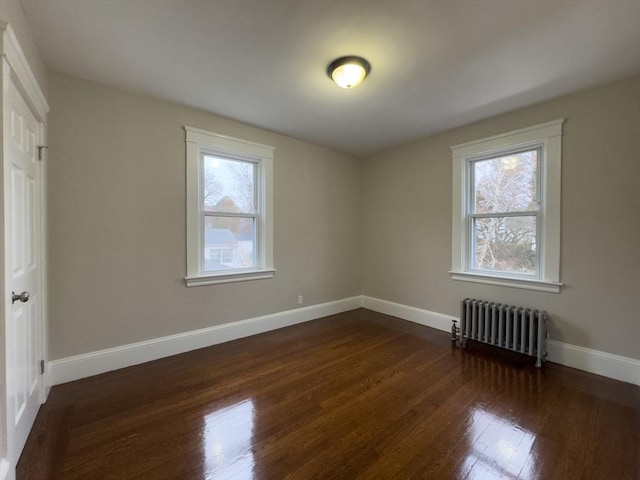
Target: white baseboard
{"type": "Point", "coordinates": [94, 363]}
{"type": "Point", "coordinates": [413, 314]}
{"type": "Point", "coordinates": [593, 361]}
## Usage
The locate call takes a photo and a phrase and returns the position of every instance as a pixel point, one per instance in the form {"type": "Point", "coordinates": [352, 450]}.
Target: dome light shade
{"type": "Point", "coordinates": [348, 72]}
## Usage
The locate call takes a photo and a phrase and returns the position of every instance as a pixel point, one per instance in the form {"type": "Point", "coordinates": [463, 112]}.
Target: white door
{"type": "Point", "coordinates": [23, 270]}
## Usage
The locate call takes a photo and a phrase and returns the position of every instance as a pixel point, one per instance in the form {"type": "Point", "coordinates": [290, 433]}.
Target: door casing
{"type": "Point", "coordinates": [14, 68]}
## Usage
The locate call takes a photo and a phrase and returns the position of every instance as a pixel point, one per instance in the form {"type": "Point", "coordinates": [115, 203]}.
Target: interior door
{"type": "Point", "coordinates": [23, 270]}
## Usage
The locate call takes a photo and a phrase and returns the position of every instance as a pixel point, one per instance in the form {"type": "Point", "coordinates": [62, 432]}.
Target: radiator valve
{"type": "Point", "coordinates": [454, 330]}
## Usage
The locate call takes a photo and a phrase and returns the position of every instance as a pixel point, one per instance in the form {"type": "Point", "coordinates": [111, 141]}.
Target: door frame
{"type": "Point", "coordinates": [14, 68]}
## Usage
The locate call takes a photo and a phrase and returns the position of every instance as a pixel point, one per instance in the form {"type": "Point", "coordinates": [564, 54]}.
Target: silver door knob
{"type": "Point", "coordinates": [23, 297]}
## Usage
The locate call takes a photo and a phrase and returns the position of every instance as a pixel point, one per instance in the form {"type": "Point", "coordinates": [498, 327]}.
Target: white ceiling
{"type": "Point", "coordinates": [436, 64]}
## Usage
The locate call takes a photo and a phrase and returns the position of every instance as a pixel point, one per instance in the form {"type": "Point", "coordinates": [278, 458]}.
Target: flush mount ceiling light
{"type": "Point", "coordinates": [348, 72]}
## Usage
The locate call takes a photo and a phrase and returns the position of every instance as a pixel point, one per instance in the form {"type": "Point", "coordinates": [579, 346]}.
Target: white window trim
{"type": "Point", "coordinates": [548, 136]}
{"type": "Point", "coordinates": [199, 141]}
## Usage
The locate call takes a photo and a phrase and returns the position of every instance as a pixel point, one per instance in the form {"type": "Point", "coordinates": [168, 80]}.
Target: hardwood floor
{"type": "Point", "coordinates": [355, 395]}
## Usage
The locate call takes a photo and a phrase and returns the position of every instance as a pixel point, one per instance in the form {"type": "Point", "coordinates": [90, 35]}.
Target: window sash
{"type": "Point", "coordinates": [206, 213]}
{"type": "Point", "coordinates": [471, 244]}
{"type": "Point", "coordinates": [472, 216]}
{"type": "Point", "coordinates": [257, 180]}
{"type": "Point", "coordinates": [256, 243]}
{"type": "Point", "coordinates": [523, 213]}
{"type": "Point", "coordinates": [256, 215]}
{"type": "Point", "coordinates": [471, 178]}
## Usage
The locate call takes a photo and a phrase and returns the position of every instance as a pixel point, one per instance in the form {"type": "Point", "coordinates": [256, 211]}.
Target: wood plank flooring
{"type": "Point", "coordinates": [355, 395]}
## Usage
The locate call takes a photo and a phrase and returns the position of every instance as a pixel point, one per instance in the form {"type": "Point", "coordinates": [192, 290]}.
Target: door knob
{"type": "Point", "coordinates": [23, 297]}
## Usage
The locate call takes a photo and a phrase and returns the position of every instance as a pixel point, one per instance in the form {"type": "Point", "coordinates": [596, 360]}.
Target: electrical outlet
{"type": "Point", "coordinates": [300, 300]}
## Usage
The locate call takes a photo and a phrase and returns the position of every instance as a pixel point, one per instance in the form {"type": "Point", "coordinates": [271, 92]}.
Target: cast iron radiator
{"type": "Point", "coordinates": [518, 329]}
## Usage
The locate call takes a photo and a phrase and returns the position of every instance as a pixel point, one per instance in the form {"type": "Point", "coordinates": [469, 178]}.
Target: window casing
{"type": "Point", "coordinates": [506, 209]}
{"type": "Point", "coordinates": [229, 209]}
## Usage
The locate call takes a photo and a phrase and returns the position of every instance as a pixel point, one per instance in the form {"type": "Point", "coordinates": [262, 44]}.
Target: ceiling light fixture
{"type": "Point", "coordinates": [348, 72]}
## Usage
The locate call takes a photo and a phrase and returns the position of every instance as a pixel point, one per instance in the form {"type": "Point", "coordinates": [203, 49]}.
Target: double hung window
{"type": "Point", "coordinates": [229, 212]}
{"type": "Point", "coordinates": [506, 209]}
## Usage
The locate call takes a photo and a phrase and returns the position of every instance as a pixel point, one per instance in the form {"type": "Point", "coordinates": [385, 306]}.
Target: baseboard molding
{"type": "Point", "coordinates": [93, 363]}
{"type": "Point", "coordinates": [416, 315]}
{"type": "Point", "coordinates": [593, 361]}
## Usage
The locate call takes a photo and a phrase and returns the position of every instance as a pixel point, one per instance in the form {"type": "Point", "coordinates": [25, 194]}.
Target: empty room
{"type": "Point", "coordinates": [303, 239]}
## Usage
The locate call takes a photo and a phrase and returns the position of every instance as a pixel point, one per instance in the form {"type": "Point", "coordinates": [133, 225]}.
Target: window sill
{"type": "Point", "coordinates": [540, 285]}
{"type": "Point", "coordinates": [217, 278]}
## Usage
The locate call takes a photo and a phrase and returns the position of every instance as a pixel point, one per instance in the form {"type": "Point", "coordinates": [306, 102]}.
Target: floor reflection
{"type": "Point", "coordinates": [499, 448]}
{"type": "Point", "coordinates": [227, 436]}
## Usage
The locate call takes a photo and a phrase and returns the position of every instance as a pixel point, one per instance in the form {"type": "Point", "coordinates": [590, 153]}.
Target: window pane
{"type": "Point", "coordinates": [507, 183]}
{"type": "Point", "coordinates": [505, 244]}
{"type": "Point", "coordinates": [229, 185]}
{"type": "Point", "coordinates": [229, 242]}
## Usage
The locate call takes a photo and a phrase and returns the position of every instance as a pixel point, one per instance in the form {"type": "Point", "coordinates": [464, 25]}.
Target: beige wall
{"type": "Point", "coordinates": [117, 222]}
{"type": "Point", "coordinates": [12, 13]}
{"type": "Point", "coordinates": [407, 220]}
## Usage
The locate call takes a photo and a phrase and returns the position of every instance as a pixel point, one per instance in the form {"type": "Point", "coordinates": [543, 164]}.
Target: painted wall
{"type": "Point", "coordinates": [117, 222]}
{"type": "Point", "coordinates": [12, 13]}
{"type": "Point", "coordinates": [406, 225]}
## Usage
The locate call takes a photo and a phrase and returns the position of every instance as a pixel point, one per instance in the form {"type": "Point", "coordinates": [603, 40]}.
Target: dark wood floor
{"type": "Point", "coordinates": [355, 395]}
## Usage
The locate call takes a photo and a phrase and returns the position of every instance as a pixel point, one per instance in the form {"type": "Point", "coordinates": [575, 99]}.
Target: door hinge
{"type": "Point", "coordinates": [41, 367]}
{"type": "Point", "coordinates": [40, 149]}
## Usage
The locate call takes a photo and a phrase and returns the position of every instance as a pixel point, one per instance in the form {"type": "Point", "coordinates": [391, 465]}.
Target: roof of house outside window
{"type": "Point", "coordinates": [219, 236]}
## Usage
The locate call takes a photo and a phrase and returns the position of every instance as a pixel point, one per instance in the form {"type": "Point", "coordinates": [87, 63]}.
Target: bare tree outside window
{"type": "Point", "coordinates": [230, 179]}
{"type": "Point", "coordinates": [243, 175]}
{"type": "Point", "coordinates": [504, 214]}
